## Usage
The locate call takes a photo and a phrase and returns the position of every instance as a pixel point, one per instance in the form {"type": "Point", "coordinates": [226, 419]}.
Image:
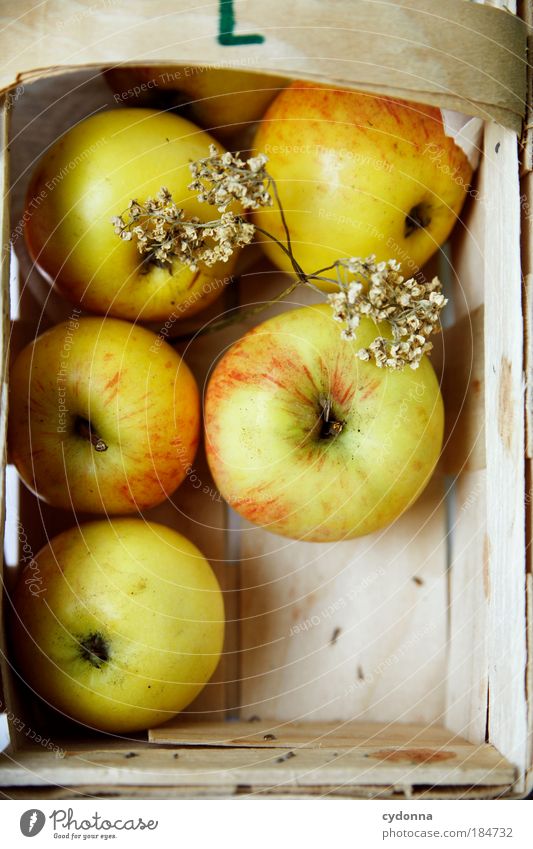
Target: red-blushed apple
{"type": "Point", "coordinates": [359, 174]}
{"type": "Point", "coordinates": [125, 628]}
{"type": "Point", "coordinates": [104, 416]}
{"type": "Point", "coordinates": [308, 441]}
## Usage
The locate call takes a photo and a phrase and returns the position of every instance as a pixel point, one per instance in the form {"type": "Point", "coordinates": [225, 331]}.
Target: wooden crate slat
{"type": "Point", "coordinates": [464, 765]}
{"type": "Point", "coordinates": [318, 735]}
{"type": "Point", "coordinates": [467, 691]}
{"type": "Point", "coordinates": [451, 65]}
{"type": "Point", "coordinates": [504, 404]}
{"type": "Point", "coordinates": [463, 390]}
{"type": "Point", "coordinates": [245, 791]}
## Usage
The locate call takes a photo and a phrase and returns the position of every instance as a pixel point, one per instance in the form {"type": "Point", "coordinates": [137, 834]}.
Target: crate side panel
{"type": "Point", "coordinates": [504, 399]}
{"type": "Point", "coordinates": [466, 697]}
{"type": "Point", "coordinates": [465, 457]}
{"type": "Point", "coordinates": [463, 390]}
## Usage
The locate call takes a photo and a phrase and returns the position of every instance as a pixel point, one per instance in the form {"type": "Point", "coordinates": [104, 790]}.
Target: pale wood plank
{"type": "Point", "coordinates": [466, 700]}
{"type": "Point", "coordinates": [309, 735]}
{"type": "Point", "coordinates": [245, 791]}
{"type": "Point", "coordinates": [463, 390]}
{"type": "Point", "coordinates": [354, 630]}
{"type": "Point", "coordinates": [467, 691]}
{"type": "Point", "coordinates": [451, 66]}
{"type": "Point", "coordinates": [504, 400]}
{"type": "Point", "coordinates": [526, 205]}
{"type": "Point", "coordinates": [453, 765]}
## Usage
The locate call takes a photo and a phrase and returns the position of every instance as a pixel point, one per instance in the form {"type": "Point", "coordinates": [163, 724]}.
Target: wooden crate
{"type": "Point", "coordinates": [394, 666]}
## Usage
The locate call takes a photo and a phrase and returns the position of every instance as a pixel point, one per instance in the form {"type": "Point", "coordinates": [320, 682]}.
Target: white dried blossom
{"type": "Point", "coordinates": [221, 179]}
{"type": "Point", "coordinates": [164, 235]}
{"type": "Point", "coordinates": [378, 290]}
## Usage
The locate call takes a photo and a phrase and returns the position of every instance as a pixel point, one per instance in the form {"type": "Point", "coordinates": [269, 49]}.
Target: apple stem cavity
{"type": "Point", "coordinates": [84, 429]}
{"type": "Point", "coordinates": [94, 649]}
{"type": "Point", "coordinates": [418, 218]}
{"type": "Point", "coordinates": [330, 426]}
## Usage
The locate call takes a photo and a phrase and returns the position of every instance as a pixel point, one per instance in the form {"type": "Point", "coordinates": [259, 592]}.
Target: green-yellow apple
{"type": "Point", "coordinates": [308, 441]}
{"type": "Point", "coordinates": [104, 416]}
{"type": "Point", "coordinates": [88, 177]}
{"type": "Point", "coordinates": [359, 174]}
{"type": "Point", "coordinates": [222, 100]}
{"type": "Point", "coordinates": [125, 626]}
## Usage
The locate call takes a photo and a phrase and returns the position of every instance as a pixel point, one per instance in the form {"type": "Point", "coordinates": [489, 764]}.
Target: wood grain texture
{"type": "Point", "coordinates": [465, 458]}
{"type": "Point", "coordinates": [307, 735]}
{"type": "Point", "coordinates": [526, 207]}
{"type": "Point", "coordinates": [458, 765]}
{"type": "Point", "coordinates": [504, 406]}
{"type": "Point", "coordinates": [460, 55]}
{"type": "Point", "coordinates": [463, 391]}
{"type": "Point", "coordinates": [467, 682]}
{"type": "Point", "coordinates": [352, 630]}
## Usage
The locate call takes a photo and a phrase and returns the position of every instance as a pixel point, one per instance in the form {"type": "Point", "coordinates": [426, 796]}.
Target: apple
{"type": "Point", "coordinates": [308, 441]}
{"type": "Point", "coordinates": [88, 177]}
{"type": "Point", "coordinates": [359, 174]}
{"type": "Point", "coordinates": [222, 100]}
{"type": "Point", "coordinates": [104, 416]}
{"type": "Point", "coordinates": [124, 628]}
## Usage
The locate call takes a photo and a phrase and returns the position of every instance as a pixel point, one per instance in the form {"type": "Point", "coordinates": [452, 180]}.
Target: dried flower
{"type": "Point", "coordinates": [164, 234]}
{"type": "Point", "coordinates": [222, 178]}
{"type": "Point", "coordinates": [379, 291]}
{"type": "Point", "coordinates": [365, 287]}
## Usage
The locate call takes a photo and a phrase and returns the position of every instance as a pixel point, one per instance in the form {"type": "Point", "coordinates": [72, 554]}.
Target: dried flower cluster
{"type": "Point", "coordinates": [164, 234]}
{"type": "Point", "coordinates": [380, 292]}
{"type": "Point", "coordinates": [223, 178]}
{"type": "Point", "coordinates": [365, 288]}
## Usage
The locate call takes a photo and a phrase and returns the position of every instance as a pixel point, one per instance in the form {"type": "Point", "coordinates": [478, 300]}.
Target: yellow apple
{"type": "Point", "coordinates": [88, 177]}
{"type": "Point", "coordinates": [224, 101]}
{"type": "Point", "coordinates": [308, 441]}
{"type": "Point", "coordinates": [104, 416]}
{"type": "Point", "coordinates": [359, 174]}
{"type": "Point", "coordinates": [124, 628]}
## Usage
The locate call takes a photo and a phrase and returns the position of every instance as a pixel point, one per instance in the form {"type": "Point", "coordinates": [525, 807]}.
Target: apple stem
{"type": "Point", "coordinates": [85, 430]}
{"type": "Point", "coordinates": [329, 427]}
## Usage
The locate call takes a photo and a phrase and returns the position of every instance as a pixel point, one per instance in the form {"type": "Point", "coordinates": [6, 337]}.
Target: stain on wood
{"type": "Point", "coordinates": [505, 404]}
{"type": "Point", "coordinates": [414, 756]}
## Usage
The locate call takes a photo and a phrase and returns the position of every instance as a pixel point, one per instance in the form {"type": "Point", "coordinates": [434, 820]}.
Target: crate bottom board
{"type": "Point", "coordinates": [303, 759]}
